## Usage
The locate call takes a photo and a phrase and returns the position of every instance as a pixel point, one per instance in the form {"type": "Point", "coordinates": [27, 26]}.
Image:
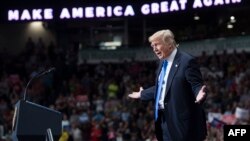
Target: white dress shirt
{"type": "Point", "coordinates": [170, 60]}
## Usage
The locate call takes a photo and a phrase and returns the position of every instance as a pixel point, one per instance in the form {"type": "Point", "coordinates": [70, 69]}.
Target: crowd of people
{"type": "Point", "coordinates": [93, 98]}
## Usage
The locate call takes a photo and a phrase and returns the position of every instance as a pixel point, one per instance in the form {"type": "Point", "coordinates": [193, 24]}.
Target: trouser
{"type": "Point", "coordinates": [161, 128]}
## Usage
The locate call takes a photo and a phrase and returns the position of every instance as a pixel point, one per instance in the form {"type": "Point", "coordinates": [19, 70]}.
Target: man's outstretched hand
{"type": "Point", "coordinates": [201, 95]}
{"type": "Point", "coordinates": [136, 94]}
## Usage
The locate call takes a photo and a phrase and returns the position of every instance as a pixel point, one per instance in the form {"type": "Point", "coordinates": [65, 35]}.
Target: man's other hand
{"type": "Point", "coordinates": [136, 94]}
{"type": "Point", "coordinates": [201, 95]}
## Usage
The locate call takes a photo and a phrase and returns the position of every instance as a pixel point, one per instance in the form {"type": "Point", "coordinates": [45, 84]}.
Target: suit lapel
{"type": "Point", "coordinates": [173, 70]}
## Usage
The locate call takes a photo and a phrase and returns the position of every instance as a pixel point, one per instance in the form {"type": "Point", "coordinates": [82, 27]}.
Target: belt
{"type": "Point", "coordinates": [161, 114]}
{"type": "Point", "coordinates": [161, 110]}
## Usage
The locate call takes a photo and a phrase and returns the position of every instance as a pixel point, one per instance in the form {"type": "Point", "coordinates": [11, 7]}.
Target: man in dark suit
{"type": "Point", "coordinates": [178, 93]}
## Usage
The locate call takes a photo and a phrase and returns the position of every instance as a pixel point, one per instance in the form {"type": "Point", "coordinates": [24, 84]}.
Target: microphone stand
{"type": "Point", "coordinates": [34, 77]}
{"type": "Point", "coordinates": [27, 86]}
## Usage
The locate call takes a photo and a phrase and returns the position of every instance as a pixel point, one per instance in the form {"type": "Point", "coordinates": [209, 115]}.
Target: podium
{"type": "Point", "coordinates": [33, 122]}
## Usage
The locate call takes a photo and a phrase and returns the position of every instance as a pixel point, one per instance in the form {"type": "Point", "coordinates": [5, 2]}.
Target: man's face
{"type": "Point", "coordinates": [160, 49]}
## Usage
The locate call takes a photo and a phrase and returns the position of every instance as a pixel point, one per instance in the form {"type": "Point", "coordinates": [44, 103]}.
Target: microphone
{"type": "Point", "coordinates": [38, 75]}
{"type": "Point", "coordinates": [45, 72]}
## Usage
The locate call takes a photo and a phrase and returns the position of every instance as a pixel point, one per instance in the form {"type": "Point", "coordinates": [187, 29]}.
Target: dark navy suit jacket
{"type": "Point", "coordinates": [185, 119]}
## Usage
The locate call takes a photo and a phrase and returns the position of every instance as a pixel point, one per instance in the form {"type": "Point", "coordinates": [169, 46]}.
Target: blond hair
{"type": "Point", "coordinates": [166, 36]}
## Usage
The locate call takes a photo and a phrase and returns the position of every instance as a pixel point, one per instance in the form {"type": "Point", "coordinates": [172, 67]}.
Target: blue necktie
{"type": "Point", "coordinates": [159, 88]}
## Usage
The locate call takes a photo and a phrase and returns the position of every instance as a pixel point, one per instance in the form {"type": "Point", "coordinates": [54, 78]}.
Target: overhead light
{"type": "Point", "coordinates": [36, 24]}
{"type": "Point", "coordinates": [196, 17]}
{"type": "Point", "coordinates": [112, 45]}
{"type": "Point", "coordinates": [230, 26]}
{"type": "Point", "coordinates": [232, 19]}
